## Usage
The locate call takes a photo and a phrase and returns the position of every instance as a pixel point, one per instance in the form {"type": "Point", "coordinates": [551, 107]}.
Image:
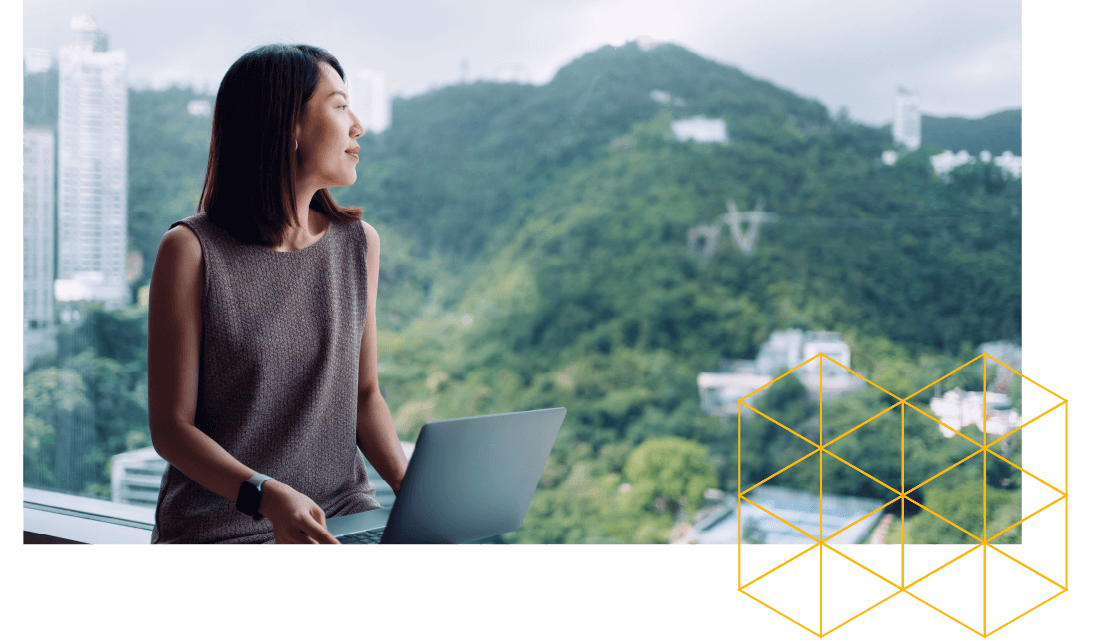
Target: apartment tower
{"type": "Point", "coordinates": [371, 99]}
{"type": "Point", "coordinates": [91, 207]}
{"type": "Point", "coordinates": [907, 124]}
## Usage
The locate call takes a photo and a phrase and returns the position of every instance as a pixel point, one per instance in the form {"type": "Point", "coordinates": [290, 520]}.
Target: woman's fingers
{"type": "Point", "coordinates": [319, 517]}
{"type": "Point", "coordinates": [319, 534]}
{"type": "Point", "coordinates": [295, 516]}
{"type": "Point", "coordinates": [313, 531]}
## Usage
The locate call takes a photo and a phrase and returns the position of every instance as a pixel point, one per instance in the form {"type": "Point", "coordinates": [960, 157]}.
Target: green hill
{"type": "Point", "coordinates": [467, 170]}
{"type": "Point", "coordinates": [456, 160]}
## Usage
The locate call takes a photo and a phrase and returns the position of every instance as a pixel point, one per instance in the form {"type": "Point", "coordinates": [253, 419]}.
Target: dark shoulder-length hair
{"type": "Point", "coordinates": [250, 173]}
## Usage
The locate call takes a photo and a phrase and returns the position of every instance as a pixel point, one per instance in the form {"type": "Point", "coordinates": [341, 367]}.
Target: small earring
{"type": "Point", "coordinates": [296, 145]}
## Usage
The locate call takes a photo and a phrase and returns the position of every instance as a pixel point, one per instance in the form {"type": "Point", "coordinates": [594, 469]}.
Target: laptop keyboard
{"type": "Point", "coordinates": [371, 536]}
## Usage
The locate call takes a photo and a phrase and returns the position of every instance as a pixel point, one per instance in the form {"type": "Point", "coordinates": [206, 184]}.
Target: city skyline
{"type": "Point", "coordinates": [962, 60]}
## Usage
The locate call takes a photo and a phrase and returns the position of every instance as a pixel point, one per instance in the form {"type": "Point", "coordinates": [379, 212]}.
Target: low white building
{"type": "Point", "coordinates": [788, 348]}
{"type": "Point", "coordinates": [827, 344]}
{"type": "Point", "coordinates": [781, 352]}
{"type": "Point", "coordinates": [1009, 163]}
{"type": "Point", "coordinates": [721, 391]}
{"type": "Point", "coordinates": [700, 129]}
{"type": "Point", "coordinates": [136, 476]}
{"type": "Point", "coordinates": [665, 98]}
{"type": "Point", "coordinates": [958, 409]}
{"type": "Point", "coordinates": [946, 161]}
{"type": "Point", "coordinates": [785, 350]}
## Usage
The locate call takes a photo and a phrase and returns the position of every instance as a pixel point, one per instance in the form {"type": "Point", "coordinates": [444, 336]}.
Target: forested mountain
{"type": "Point", "coordinates": [535, 254]}
{"type": "Point", "coordinates": [456, 160]}
{"type": "Point", "coordinates": [479, 162]}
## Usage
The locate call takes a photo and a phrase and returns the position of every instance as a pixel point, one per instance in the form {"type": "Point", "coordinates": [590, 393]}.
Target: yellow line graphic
{"type": "Point", "coordinates": [902, 495]}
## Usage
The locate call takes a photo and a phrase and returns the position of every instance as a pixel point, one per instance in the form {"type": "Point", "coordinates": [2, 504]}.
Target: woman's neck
{"type": "Point", "coordinates": [311, 226]}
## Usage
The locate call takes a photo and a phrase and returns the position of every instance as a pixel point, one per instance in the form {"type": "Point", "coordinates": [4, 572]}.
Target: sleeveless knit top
{"type": "Point", "coordinates": [278, 378]}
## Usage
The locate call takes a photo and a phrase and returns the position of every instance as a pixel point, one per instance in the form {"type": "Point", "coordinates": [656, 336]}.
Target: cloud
{"type": "Point", "coordinates": [998, 62]}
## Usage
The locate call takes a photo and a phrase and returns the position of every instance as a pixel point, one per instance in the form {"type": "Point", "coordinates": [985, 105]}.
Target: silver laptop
{"type": "Point", "coordinates": [468, 479]}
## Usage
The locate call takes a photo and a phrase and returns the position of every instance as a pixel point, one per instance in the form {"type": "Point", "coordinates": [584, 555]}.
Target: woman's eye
{"type": "Point", "coordinates": [344, 107]}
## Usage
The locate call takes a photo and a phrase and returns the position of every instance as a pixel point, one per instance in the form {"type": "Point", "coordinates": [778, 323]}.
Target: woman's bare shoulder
{"type": "Point", "coordinates": [180, 249]}
{"type": "Point", "coordinates": [181, 239]}
{"type": "Point", "coordinates": [373, 239]}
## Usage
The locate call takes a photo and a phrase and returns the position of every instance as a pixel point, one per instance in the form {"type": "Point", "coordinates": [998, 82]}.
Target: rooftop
{"type": "Point", "coordinates": [798, 507]}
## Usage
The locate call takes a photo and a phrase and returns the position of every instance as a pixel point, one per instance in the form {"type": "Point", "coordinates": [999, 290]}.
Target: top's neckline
{"type": "Point", "coordinates": [324, 236]}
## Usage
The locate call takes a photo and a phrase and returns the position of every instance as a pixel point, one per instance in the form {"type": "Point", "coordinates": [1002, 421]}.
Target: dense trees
{"type": "Point", "coordinates": [86, 402]}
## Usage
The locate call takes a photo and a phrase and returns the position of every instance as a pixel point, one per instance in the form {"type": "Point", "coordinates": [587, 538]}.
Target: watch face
{"type": "Point", "coordinates": [248, 498]}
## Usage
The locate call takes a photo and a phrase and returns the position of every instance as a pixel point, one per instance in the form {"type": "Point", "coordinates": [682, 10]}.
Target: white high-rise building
{"type": "Point", "coordinates": [907, 124]}
{"type": "Point", "coordinates": [91, 165]}
{"type": "Point", "coordinates": [371, 99]}
{"type": "Point", "coordinates": [39, 333]}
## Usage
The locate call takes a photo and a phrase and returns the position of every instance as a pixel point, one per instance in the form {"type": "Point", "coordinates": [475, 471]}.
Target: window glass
{"type": "Point", "coordinates": [643, 235]}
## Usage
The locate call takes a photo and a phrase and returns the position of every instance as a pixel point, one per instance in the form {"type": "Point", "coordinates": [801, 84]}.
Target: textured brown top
{"type": "Point", "coordinates": [278, 376]}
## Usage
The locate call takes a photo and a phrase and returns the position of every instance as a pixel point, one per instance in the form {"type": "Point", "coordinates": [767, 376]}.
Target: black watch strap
{"type": "Point", "coordinates": [250, 494]}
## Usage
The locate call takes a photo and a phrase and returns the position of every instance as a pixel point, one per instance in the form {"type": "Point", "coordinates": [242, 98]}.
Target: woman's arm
{"type": "Point", "coordinates": [175, 328]}
{"type": "Point", "coordinates": [374, 425]}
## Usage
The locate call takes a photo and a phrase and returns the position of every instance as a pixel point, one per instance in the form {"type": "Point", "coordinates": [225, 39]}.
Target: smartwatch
{"type": "Point", "coordinates": [248, 497]}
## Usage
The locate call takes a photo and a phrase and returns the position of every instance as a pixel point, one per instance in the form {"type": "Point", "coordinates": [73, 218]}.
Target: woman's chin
{"type": "Point", "coordinates": [333, 179]}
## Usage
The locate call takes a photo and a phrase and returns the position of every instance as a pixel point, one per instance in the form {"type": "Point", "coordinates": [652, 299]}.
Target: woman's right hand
{"type": "Point", "coordinates": [297, 519]}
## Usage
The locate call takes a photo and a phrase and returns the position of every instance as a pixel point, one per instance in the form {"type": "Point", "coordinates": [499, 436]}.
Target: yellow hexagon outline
{"type": "Point", "coordinates": [984, 448]}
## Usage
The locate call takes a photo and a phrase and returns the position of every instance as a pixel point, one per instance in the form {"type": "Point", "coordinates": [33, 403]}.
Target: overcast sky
{"type": "Point", "coordinates": [961, 58]}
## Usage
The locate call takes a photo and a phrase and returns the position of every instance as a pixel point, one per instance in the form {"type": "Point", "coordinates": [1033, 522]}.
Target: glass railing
{"type": "Point", "coordinates": [50, 516]}
{"type": "Point", "coordinates": [55, 517]}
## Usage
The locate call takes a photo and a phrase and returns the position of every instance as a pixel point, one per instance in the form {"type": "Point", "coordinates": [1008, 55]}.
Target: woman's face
{"type": "Point", "coordinates": [326, 134]}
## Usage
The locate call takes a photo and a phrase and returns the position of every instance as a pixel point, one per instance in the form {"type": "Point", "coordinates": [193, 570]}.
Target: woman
{"type": "Point", "coordinates": [262, 350]}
